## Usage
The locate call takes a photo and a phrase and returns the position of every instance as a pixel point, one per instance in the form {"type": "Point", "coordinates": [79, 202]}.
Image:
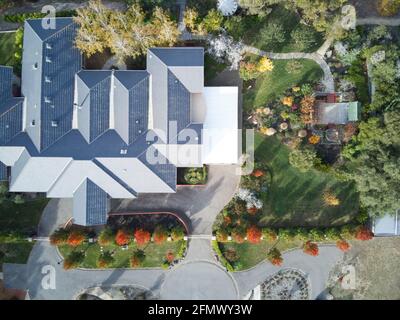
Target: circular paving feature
{"type": "Point", "coordinates": [198, 280]}
{"type": "Point", "coordinates": [288, 284]}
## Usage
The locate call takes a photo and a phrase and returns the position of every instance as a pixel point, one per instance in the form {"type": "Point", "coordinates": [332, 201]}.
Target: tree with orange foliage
{"type": "Point", "coordinates": [122, 238]}
{"type": "Point", "coordinates": [311, 248]}
{"type": "Point", "coordinates": [142, 237]}
{"type": "Point", "coordinates": [343, 245]}
{"type": "Point", "coordinates": [307, 109]}
{"type": "Point", "coordinates": [160, 235]}
{"type": "Point", "coordinates": [75, 238]}
{"type": "Point", "coordinates": [254, 234]}
{"type": "Point", "coordinates": [275, 257]}
{"type": "Point", "coordinates": [363, 233]}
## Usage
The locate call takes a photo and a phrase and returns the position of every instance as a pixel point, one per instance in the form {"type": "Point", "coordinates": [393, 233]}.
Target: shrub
{"type": "Point", "coordinates": [275, 257]}
{"type": "Point", "coordinates": [160, 235]}
{"type": "Point", "coordinates": [269, 235]}
{"type": "Point", "coordinates": [231, 255]}
{"type": "Point", "coordinates": [195, 175]}
{"type": "Point", "coordinates": [137, 259]}
{"type": "Point", "coordinates": [254, 234]}
{"type": "Point", "coordinates": [221, 257]}
{"type": "Point", "coordinates": [238, 235]}
{"type": "Point", "coordinates": [239, 207]}
{"type": "Point", "coordinates": [73, 260]}
{"type": "Point", "coordinates": [311, 248]}
{"type": "Point", "coordinates": [106, 236]}
{"type": "Point", "coordinates": [105, 259]}
{"type": "Point", "coordinates": [182, 250]}
{"type": "Point", "coordinates": [59, 237]}
{"type": "Point", "coordinates": [122, 238]}
{"type": "Point", "coordinates": [285, 234]}
{"type": "Point", "coordinates": [18, 199]}
{"type": "Point", "coordinates": [363, 233]}
{"type": "Point", "coordinates": [388, 8]}
{"type": "Point", "coordinates": [314, 139]}
{"type": "Point", "coordinates": [222, 236]}
{"type": "Point", "coordinates": [348, 232]}
{"type": "Point", "coordinates": [75, 238]}
{"type": "Point", "coordinates": [258, 173]}
{"type": "Point", "coordinates": [301, 234]}
{"type": "Point", "coordinates": [304, 37]}
{"type": "Point", "coordinates": [343, 245]}
{"type": "Point", "coordinates": [177, 233]}
{"type": "Point", "coordinates": [169, 256]}
{"type": "Point", "coordinates": [142, 237]}
{"type": "Point", "coordinates": [332, 234]}
{"type": "Point", "coordinates": [330, 199]}
{"type": "Point", "coordinates": [316, 235]}
{"type": "Point", "coordinates": [304, 160]}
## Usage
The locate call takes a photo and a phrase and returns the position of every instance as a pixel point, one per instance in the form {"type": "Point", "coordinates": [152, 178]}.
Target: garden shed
{"type": "Point", "coordinates": [338, 113]}
{"type": "Point", "coordinates": [387, 225]}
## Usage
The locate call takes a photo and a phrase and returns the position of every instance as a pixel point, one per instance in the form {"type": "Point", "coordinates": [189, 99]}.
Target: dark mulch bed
{"type": "Point", "coordinates": [145, 221]}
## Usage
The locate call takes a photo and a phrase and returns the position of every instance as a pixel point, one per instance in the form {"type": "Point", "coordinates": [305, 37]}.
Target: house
{"type": "Point", "coordinates": [92, 135]}
{"type": "Point", "coordinates": [387, 225]}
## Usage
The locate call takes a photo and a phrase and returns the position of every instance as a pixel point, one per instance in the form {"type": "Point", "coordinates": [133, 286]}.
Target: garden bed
{"type": "Point", "coordinates": [192, 176]}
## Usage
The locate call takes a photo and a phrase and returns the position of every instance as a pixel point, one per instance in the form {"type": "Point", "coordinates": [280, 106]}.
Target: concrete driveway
{"type": "Point", "coordinates": [198, 206]}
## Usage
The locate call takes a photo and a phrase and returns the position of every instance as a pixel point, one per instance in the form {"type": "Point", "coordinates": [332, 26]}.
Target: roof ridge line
{"type": "Point", "coordinates": [57, 32]}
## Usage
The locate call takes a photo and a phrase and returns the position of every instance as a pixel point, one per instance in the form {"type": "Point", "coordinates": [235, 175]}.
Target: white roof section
{"type": "Point", "coordinates": [191, 77]}
{"type": "Point", "coordinates": [37, 174]}
{"type": "Point", "coordinates": [388, 225]}
{"type": "Point", "coordinates": [136, 175]}
{"type": "Point", "coordinates": [220, 130]}
{"type": "Point", "coordinates": [9, 155]}
{"type": "Point", "coordinates": [77, 172]}
{"type": "Point", "coordinates": [182, 155]}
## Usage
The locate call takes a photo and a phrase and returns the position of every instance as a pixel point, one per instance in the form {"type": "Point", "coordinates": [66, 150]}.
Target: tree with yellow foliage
{"type": "Point", "coordinates": [330, 199]}
{"type": "Point", "coordinates": [265, 64]}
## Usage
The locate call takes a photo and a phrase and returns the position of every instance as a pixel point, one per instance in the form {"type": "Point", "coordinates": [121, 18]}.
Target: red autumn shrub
{"type": "Point", "coordinates": [122, 238]}
{"type": "Point", "coordinates": [258, 173]}
{"type": "Point", "coordinates": [275, 257]}
{"type": "Point", "coordinates": [238, 236]}
{"type": "Point", "coordinates": [59, 237]}
{"type": "Point", "coordinates": [169, 256]}
{"type": "Point", "coordinates": [343, 245]}
{"type": "Point", "coordinates": [311, 248]}
{"type": "Point", "coordinates": [160, 235]}
{"type": "Point", "coordinates": [142, 237]}
{"type": "Point", "coordinates": [254, 234]}
{"type": "Point", "coordinates": [75, 238]}
{"type": "Point", "coordinates": [364, 233]}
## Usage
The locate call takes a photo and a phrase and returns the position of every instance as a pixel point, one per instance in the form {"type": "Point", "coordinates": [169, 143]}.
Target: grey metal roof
{"type": "Point", "coordinates": [130, 78]}
{"type": "Point", "coordinates": [138, 109]}
{"type": "Point", "coordinates": [44, 30]}
{"type": "Point", "coordinates": [10, 119]}
{"type": "Point", "coordinates": [180, 57]}
{"type": "Point", "coordinates": [3, 172]}
{"type": "Point", "coordinates": [178, 107]}
{"type": "Point", "coordinates": [5, 83]}
{"type": "Point", "coordinates": [97, 204]}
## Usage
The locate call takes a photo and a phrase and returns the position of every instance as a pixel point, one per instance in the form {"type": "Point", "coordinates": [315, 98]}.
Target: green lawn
{"type": "Point", "coordinates": [16, 252]}
{"type": "Point", "coordinates": [272, 85]}
{"type": "Point", "coordinates": [23, 218]}
{"type": "Point", "coordinates": [248, 28]}
{"type": "Point", "coordinates": [294, 198]}
{"type": "Point", "coordinates": [155, 254]}
{"type": "Point", "coordinates": [7, 48]}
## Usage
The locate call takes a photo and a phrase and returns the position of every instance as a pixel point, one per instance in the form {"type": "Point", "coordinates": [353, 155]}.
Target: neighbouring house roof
{"type": "Point", "coordinates": [3, 172]}
{"type": "Point", "coordinates": [337, 113]}
{"type": "Point", "coordinates": [92, 135]}
{"type": "Point", "coordinates": [387, 225]}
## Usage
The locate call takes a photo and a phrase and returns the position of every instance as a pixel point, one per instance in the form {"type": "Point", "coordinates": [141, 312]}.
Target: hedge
{"type": "Point", "coordinates": [221, 257]}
